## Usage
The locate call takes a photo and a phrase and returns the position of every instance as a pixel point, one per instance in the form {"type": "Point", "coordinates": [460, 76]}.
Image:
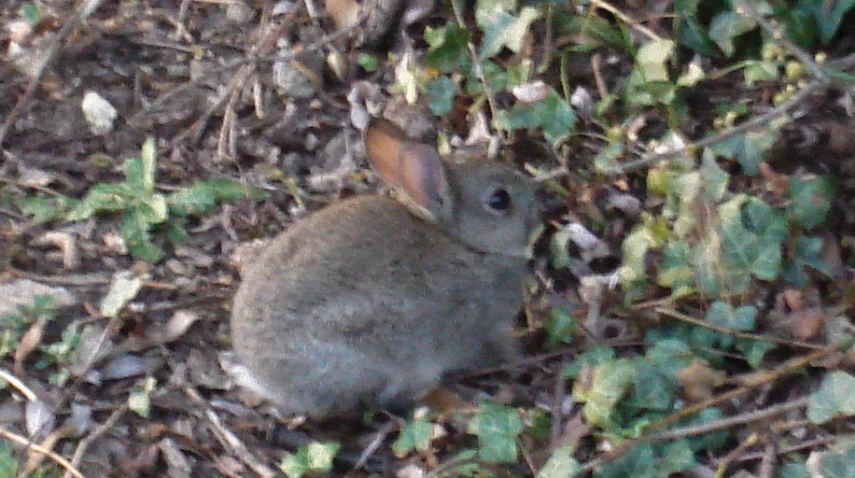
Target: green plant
{"type": "Point", "coordinates": [314, 457]}
{"type": "Point", "coordinates": [35, 318]}
{"type": "Point", "coordinates": [144, 210]}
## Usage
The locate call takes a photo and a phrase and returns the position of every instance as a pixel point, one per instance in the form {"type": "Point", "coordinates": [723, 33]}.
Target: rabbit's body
{"type": "Point", "coordinates": [366, 302]}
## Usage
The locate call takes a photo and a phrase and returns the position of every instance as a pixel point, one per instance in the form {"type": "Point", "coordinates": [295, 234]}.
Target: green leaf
{"type": "Point", "coordinates": [807, 252]}
{"type": "Point", "coordinates": [652, 60]}
{"type": "Point", "coordinates": [560, 465]}
{"type": "Point", "coordinates": [368, 62]}
{"type": "Point", "coordinates": [101, 198]}
{"type": "Point", "coordinates": [197, 199]}
{"type": "Point", "coordinates": [417, 435]}
{"type": "Point", "coordinates": [447, 49]}
{"type": "Point", "coordinates": [811, 200]}
{"type": "Point", "coordinates": [8, 462]}
{"type": "Point", "coordinates": [792, 470]}
{"type": "Point", "coordinates": [675, 270]}
{"type": "Point", "coordinates": [756, 71]}
{"type": "Point", "coordinates": [749, 149]}
{"type": "Point", "coordinates": [691, 32]}
{"type": "Point", "coordinates": [728, 25]}
{"type": "Point", "coordinates": [552, 114]}
{"type": "Point", "coordinates": [496, 427]}
{"type": "Point", "coordinates": [754, 350]}
{"type": "Point", "coordinates": [440, 94]}
{"type": "Point", "coordinates": [651, 389]}
{"type": "Point", "coordinates": [724, 315]}
{"type": "Point", "coordinates": [175, 231]}
{"type": "Point", "coordinates": [593, 356]}
{"type": "Point", "coordinates": [670, 355]}
{"type": "Point", "coordinates": [46, 209]}
{"type": "Point", "coordinates": [715, 180]}
{"type": "Point", "coordinates": [835, 398]}
{"type": "Point", "coordinates": [135, 177]}
{"type": "Point", "coordinates": [610, 383]}
{"type": "Point", "coordinates": [561, 326]}
{"type": "Point", "coordinates": [314, 457]}
{"type": "Point", "coordinates": [139, 399]}
{"type": "Point", "coordinates": [839, 464]}
{"type": "Point", "coordinates": [135, 232]}
{"type": "Point", "coordinates": [801, 26]}
{"type": "Point", "coordinates": [828, 16]}
{"type": "Point", "coordinates": [501, 27]}
{"type": "Point", "coordinates": [153, 209]}
{"type": "Point", "coordinates": [650, 461]}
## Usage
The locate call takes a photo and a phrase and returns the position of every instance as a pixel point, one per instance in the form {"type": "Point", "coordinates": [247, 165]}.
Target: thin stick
{"type": "Point", "coordinates": [84, 443]}
{"type": "Point", "coordinates": [40, 449]}
{"type": "Point", "coordinates": [85, 8]}
{"type": "Point", "coordinates": [19, 385]}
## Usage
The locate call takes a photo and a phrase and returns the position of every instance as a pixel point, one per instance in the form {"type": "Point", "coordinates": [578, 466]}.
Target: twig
{"type": "Point", "coordinates": [633, 23]}
{"type": "Point", "coordinates": [449, 465]}
{"type": "Point", "coordinates": [791, 366]}
{"type": "Point", "coordinates": [781, 37]}
{"type": "Point", "coordinates": [378, 439]}
{"type": "Point", "coordinates": [19, 385]}
{"type": "Point", "coordinates": [14, 437]}
{"type": "Point", "coordinates": [758, 121]}
{"type": "Point", "coordinates": [292, 55]}
{"type": "Point", "coordinates": [729, 422]}
{"type": "Point", "coordinates": [736, 333]}
{"type": "Point", "coordinates": [476, 63]}
{"type": "Point", "coordinates": [85, 8]}
{"type": "Point", "coordinates": [228, 439]}
{"type": "Point", "coordinates": [98, 432]}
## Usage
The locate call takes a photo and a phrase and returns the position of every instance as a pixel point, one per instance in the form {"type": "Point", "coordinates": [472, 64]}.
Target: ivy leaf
{"type": "Point", "coordinates": [496, 427]}
{"type": "Point", "coordinates": [447, 49]}
{"type": "Point", "coordinates": [828, 16]}
{"type": "Point", "coordinates": [811, 200]}
{"type": "Point", "coordinates": [560, 465]}
{"type": "Point", "coordinates": [748, 149]}
{"type": "Point", "coordinates": [835, 398]}
{"type": "Point", "coordinates": [440, 94]}
{"type": "Point", "coordinates": [807, 252]}
{"type": "Point", "coordinates": [501, 27]}
{"type": "Point", "coordinates": [314, 457]}
{"type": "Point", "coordinates": [552, 114]}
{"type": "Point", "coordinates": [728, 25]}
{"type": "Point", "coordinates": [724, 315]}
{"type": "Point", "coordinates": [610, 383]}
{"type": "Point", "coordinates": [417, 435]}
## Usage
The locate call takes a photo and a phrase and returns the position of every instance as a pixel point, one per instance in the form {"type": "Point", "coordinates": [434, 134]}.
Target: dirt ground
{"type": "Point", "coordinates": [203, 78]}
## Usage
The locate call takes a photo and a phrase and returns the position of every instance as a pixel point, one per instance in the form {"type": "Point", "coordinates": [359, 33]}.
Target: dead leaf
{"type": "Point", "coordinates": [699, 380]}
{"type": "Point", "coordinates": [31, 339]}
{"type": "Point", "coordinates": [65, 242]}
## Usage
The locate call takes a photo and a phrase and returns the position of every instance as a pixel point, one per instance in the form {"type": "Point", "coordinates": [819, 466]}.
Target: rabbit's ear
{"type": "Point", "coordinates": [415, 169]}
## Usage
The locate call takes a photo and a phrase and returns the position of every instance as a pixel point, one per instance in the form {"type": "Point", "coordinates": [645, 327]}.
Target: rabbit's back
{"type": "Point", "coordinates": [366, 288]}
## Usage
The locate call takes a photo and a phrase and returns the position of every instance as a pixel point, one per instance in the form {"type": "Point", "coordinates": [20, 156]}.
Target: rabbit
{"type": "Point", "coordinates": [371, 301]}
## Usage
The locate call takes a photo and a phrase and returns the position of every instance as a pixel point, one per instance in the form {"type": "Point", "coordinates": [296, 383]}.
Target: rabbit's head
{"type": "Point", "coordinates": [485, 204]}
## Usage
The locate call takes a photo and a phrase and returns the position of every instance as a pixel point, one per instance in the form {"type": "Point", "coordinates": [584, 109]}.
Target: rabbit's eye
{"type": "Point", "coordinates": [500, 200]}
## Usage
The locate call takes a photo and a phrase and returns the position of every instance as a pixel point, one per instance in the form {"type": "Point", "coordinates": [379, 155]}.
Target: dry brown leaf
{"type": "Point", "coordinates": [31, 339]}
{"type": "Point", "coordinates": [65, 242]}
{"type": "Point", "coordinates": [699, 380]}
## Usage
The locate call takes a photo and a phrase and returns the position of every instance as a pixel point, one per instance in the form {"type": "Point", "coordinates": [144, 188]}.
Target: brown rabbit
{"type": "Point", "coordinates": [372, 300]}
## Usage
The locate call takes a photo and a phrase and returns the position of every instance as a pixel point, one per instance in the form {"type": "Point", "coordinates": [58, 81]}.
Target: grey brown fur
{"type": "Point", "coordinates": [371, 301]}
